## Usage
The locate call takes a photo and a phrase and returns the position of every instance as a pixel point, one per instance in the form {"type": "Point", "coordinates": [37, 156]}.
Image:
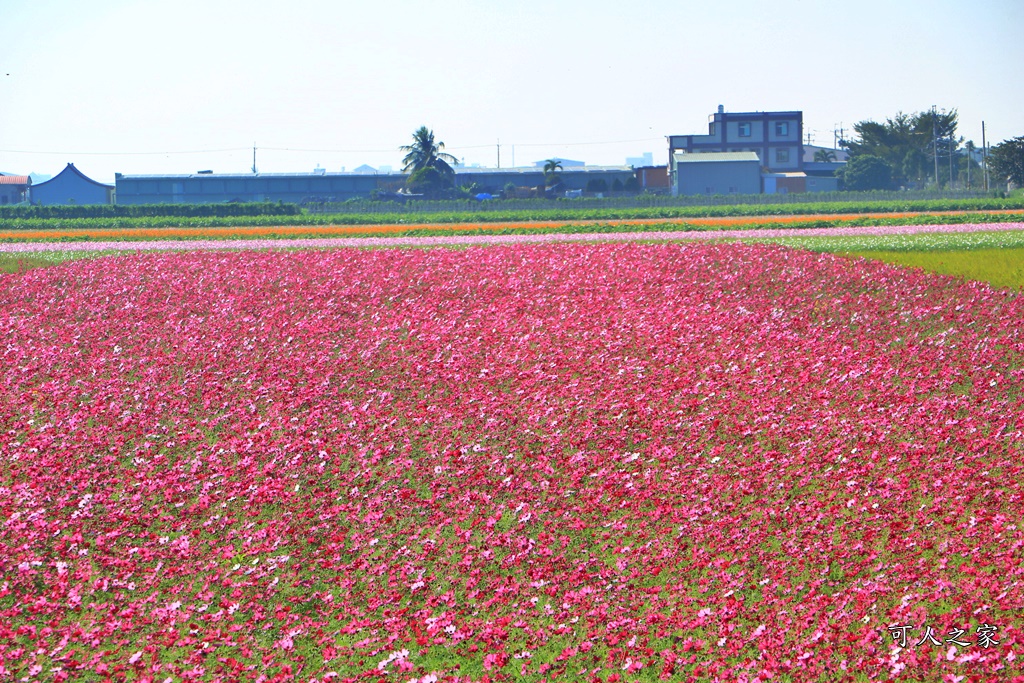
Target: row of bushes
{"type": "Point", "coordinates": [71, 211]}
{"type": "Point", "coordinates": [475, 213]}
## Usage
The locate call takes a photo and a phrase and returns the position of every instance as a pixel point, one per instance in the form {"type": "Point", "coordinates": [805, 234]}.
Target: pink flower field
{"type": "Point", "coordinates": [604, 462]}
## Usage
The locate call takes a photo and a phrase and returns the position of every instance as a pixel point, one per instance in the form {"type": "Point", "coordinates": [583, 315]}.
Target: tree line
{"type": "Point", "coordinates": [923, 149]}
{"type": "Point", "coordinates": [910, 151]}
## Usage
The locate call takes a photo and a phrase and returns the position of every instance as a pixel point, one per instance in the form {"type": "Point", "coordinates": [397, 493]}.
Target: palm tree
{"type": "Point", "coordinates": [425, 153]}
{"type": "Point", "coordinates": [824, 156]}
{"type": "Point", "coordinates": [552, 165]}
{"type": "Point", "coordinates": [551, 168]}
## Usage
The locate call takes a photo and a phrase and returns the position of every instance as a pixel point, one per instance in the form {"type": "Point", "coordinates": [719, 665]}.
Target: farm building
{"type": "Point", "coordinates": [14, 188]}
{"type": "Point", "coordinates": [71, 186]}
{"type": "Point", "coordinates": [565, 163]}
{"type": "Point", "coordinates": [653, 178]}
{"type": "Point", "coordinates": [716, 173]}
{"type": "Point", "coordinates": [775, 136]}
{"type": "Point", "coordinates": [584, 178]}
{"type": "Point", "coordinates": [207, 188]}
{"type": "Point", "coordinates": [301, 188]}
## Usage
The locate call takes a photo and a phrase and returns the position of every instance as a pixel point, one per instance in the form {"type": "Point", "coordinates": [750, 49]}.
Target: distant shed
{"type": "Point", "coordinates": [71, 186]}
{"type": "Point", "coordinates": [716, 173]}
{"type": "Point", "coordinates": [14, 188]}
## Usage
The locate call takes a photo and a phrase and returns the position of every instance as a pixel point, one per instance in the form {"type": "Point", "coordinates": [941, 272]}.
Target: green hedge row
{"type": "Point", "coordinates": [290, 215]}
{"type": "Point", "coordinates": [70, 211]}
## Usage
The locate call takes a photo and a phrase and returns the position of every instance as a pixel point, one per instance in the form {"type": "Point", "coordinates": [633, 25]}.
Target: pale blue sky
{"type": "Point", "coordinates": [155, 86]}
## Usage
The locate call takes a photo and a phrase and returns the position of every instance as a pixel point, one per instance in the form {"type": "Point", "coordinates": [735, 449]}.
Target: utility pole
{"type": "Point", "coordinates": [254, 157]}
{"type": "Point", "coordinates": [970, 148]}
{"type": "Point", "coordinates": [499, 152]}
{"type": "Point", "coordinates": [935, 146]}
{"type": "Point", "coordinates": [984, 155]}
{"type": "Point", "coordinates": [952, 142]}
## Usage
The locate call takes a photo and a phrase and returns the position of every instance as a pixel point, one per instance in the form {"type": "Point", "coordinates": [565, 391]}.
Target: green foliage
{"type": "Point", "coordinates": [924, 241]}
{"type": "Point", "coordinates": [430, 166]}
{"type": "Point", "coordinates": [468, 191]}
{"type": "Point", "coordinates": [998, 267]}
{"type": "Point", "coordinates": [551, 175]}
{"type": "Point", "coordinates": [1006, 161]}
{"type": "Point", "coordinates": [69, 211]}
{"type": "Point", "coordinates": [908, 143]}
{"type": "Point", "coordinates": [16, 262]}
{"type": "Point", "coordinates": [597, 185]}
{"type": "Point", "coordinates": [424, 152]}
{"type": "Point", "coordinates": [468, 211]}
{"type": "Point", "coordinates": [867, 172]}
{"type": "Point", "coordinates": [429, 181]}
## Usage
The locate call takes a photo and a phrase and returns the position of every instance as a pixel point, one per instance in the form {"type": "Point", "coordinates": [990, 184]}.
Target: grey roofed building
{"type": "Point", "coordinates": [716, 173]}
{"type": "Point", "coordinates": [566, 163]}
{"type": "Point", "coordinates": [302, 188]}
{"type": "Point", "coordinates": [206, 188]}
{"type": "Point", "coordinates": [14, 188]}
{"type": "Point", "coordinates": [71, 186]}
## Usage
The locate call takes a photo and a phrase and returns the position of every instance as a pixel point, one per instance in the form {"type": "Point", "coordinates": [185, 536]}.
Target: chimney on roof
{"type": "Point", "coordinates": [721, 109]}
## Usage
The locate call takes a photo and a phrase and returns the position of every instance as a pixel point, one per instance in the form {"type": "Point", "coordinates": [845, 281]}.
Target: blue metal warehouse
{"type": "Point", "coordinates": [300, 188]}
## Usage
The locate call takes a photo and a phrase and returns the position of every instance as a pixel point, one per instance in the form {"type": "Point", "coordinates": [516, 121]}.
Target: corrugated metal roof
{"type": "Point", "coordinates": [707, 157]}
{"type": "Point", "coordinates": [457, 169]}
{"type": "Point", "coordinates": [15, 180]}
{"type": "Point", "coordinates": [70, 168]}
{"type": "Point", "coordinates": [535, 169]}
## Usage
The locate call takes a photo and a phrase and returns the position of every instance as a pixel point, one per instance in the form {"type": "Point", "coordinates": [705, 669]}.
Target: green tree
{"type": "Point", "coordinates": [551, 175]}
{"type": "Point", "coordinates": [908, 143]}
{"type": "Point", "coordinates": [1006, 161]}
{"type": "Point", "coordinates": [423, 154]}
{"type": "Point", "coordinates": [867, 172]}
{"type": "Point", "coordinates": [429, 182]}
{"type": "Point", "coordinates": [824, 156]}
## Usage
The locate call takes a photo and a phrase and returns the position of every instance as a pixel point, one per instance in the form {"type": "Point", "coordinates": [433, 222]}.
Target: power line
{"type": "Point", "coordinates": [123, 154]}
{"type": "Point", "coordinates": [582, 144]}
{"type": "Point", "coordinates": [313, 150]}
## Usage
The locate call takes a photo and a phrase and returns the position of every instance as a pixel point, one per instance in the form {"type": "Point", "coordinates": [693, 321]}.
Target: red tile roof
{"type": "Point", "coordinates": [14, 180]}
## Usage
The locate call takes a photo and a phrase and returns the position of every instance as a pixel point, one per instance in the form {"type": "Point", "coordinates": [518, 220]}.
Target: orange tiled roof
{"type": "Point", "coordinates": [14, 180]}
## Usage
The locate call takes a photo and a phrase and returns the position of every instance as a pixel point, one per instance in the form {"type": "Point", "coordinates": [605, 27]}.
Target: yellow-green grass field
{"type": "Point", "coordinates": [998, 267]}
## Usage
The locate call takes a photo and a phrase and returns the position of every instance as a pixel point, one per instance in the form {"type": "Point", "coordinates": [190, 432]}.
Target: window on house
{"type": "Point", "coordinates": [744, 130]}
{"type": "Point", "coordinates": [782, 156]}
{"type": "Point", "coordinates": [711, 129]}
{"type": "Point", "coordinates": [782, 128]}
